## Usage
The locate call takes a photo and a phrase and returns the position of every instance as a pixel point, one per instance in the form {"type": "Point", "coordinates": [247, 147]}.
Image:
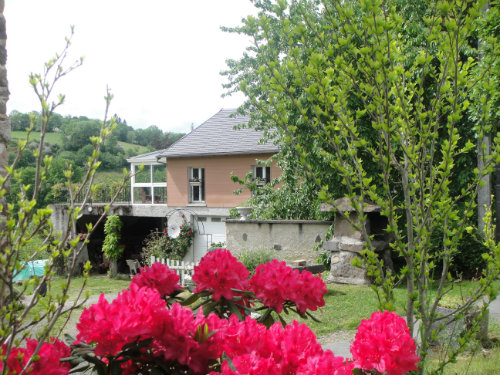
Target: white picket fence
{"type": "Point", "coordinates": [184, 269]}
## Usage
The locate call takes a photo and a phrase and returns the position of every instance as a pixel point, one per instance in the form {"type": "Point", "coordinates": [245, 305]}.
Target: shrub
{"type": "Point", "coordinates": [161, 245]}
{"type": "Point", "coordinates": [251, 259]}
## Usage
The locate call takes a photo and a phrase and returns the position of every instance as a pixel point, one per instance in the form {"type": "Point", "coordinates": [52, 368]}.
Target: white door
{"type": "Point", "coordinates": [208, 231]}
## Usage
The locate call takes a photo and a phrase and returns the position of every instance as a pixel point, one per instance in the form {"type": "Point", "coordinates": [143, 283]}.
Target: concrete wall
{"type": "Point", "coordinates": [290, 239]}
{"type": "Point", "coordinates": [218, 185]}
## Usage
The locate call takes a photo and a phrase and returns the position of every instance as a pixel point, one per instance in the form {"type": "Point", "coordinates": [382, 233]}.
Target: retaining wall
{"type": "Point", "coordinates": [289, 239]}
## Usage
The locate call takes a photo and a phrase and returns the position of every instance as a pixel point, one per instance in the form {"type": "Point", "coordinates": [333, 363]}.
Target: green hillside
{"type": "Point", "coordinates": [57, 138]}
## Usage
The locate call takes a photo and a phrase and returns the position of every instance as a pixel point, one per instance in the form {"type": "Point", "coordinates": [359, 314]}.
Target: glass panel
{"type": "Point", "coordinates": [160, 173]}
{"type": "Point", "coordinates": [196, 193]}
{"type": "Point", "coordinates": [258, 172]}
{"type": "Point", "coordinates": [142, 195]}
{"type": "Point", "coordinates": [144, 175]}
{"type": "Point", "coordinates": [160, 195]}
{"type": "Point", "coordinates": [196, 173]}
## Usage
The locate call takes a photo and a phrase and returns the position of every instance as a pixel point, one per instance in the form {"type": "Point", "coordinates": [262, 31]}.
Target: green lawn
{"type": "Point", "coordinates": [57, 138]}
{"type": "Point", "coordinates": [52, 138]}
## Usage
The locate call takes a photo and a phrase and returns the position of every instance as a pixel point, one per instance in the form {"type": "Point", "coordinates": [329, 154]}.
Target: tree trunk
{"type": "Point", "coordinates": [113, 268]}
{"type": "Point", "coordinates": [4, 131]}
{"type": "Point", "coordinates": [497, 200]}
{"type": "Point", "coordinates": [484, 193]}
{"type": "Point", "coordinates": [4, 95]}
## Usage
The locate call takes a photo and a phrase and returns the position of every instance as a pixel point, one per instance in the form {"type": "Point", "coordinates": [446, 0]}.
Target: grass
{"type": "Point", "coordinates": [475, 359]}
{"type": "Point", "coordinates": [107, 176]}
{"type": "Point", "coordinates": [58, 138]}
{"type": "Point", "coordinates": [96, 285]}
{"type": "Point", "coordinates": [137, 149]}
{"type": "Point", "coordinates": [52, 138]}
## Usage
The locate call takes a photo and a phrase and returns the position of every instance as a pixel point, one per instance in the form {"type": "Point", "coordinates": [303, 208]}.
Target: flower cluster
{"type": "Point", "coordinates": [253, 349]}
{"type": "Point", "coordinates": [274, 283]}
{"type": "Point", "coordinates": [219, 272]}
{"type": "Point", "coordinates": [384, 343]}
{"type": "Point", "coordinates": [158, 277]}
{"type": "Point", "coordinates": [139, 333]}
{"type": "Point", "coordinates": [140, 314]}
{"type": "Point", "coordinates": [129, 317]}
{"type": "Point", "coordinates": [49, 358]}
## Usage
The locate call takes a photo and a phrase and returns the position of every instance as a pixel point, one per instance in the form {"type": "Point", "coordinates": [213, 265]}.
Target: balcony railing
{"type": "Point", "coordinates": [102, 193]}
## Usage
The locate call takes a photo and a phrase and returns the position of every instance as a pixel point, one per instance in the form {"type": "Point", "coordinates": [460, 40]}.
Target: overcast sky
{"type": "Point", "coordinates": [161, 58]}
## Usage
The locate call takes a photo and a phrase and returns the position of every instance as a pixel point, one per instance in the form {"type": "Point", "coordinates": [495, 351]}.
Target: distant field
{"type": "Point", "coordinates": [138, 149]}
{"type": "Point", "coordinates": [107, 176]}
{"type": "Point", "coordinates": [57, 138]}
{"type": "Point", "coordinates": [52, 138]}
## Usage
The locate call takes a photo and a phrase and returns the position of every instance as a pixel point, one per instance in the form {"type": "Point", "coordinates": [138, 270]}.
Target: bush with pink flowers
{"type": "Point", "coordinates": [47, 360]}
{"type": "Point", "coordinates": [140, 333]}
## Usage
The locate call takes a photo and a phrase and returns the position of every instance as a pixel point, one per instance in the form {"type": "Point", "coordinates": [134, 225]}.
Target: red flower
{"type": "Point", "coordinates": [50, 355]}
{"type": "Point", "coordinates": [49, 361]}
{"type": "Point", "coordinates": [326, 363]}
{"type": "Point", "coordinates": [131, 316]}
{"type": "Point", "coordinates": [255, 350]}
{"type": "Point", "coordinates": [181, 337]}
{"type": "Point", "coordinates": [158, 277]}
{"type": "Point", "coordinates": [219, 272]}
{"type": "Point", "coordinates": [275, 282]}
{"type": "Point", "coordinates": [384, 343]}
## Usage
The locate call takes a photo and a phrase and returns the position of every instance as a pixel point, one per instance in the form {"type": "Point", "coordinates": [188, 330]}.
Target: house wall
{"type": "Point", "coordinates": [218, 185]}
{"type": "Point", "coordinates": [289, 239]}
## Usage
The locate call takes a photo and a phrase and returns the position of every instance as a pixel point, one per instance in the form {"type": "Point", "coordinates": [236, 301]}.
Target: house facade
{"type": "Point", "coordinates": [193, 177]}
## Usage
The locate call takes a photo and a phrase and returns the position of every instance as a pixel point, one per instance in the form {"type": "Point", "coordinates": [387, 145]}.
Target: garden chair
{"type": "Point", "coordinates": [133, 265]}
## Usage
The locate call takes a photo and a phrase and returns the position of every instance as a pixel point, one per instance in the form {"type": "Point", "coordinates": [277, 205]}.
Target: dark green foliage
{"type": "Point", "coordinates": [112, 229]}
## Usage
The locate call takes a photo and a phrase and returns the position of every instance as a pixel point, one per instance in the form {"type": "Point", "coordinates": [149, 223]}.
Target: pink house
{"type": "Point", "coordinates": [194, 174]}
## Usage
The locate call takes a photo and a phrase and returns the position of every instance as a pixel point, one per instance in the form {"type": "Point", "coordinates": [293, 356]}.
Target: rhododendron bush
{"type": "Point", "coordinates": [154, 328]}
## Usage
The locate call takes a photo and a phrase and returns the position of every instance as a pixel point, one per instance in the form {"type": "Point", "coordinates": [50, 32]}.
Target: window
{"type": "Point", "coordinates": [196, 185]}
{"type": "Point", "coordinates": [149, 185]}
{"type": "Point", "coordinates": [261, 174]}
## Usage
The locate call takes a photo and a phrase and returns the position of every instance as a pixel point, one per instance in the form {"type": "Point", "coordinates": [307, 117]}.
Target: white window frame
{"type": "Point", "coordinates": [196, 182]}
{"type": "Point", "coordinates": [265, 173]}
{"type": "Point", "coordinates": [151, 184]}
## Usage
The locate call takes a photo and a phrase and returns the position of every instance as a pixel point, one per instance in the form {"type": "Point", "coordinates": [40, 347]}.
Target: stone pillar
{"type": "Point", "coordinates": [347, 243]}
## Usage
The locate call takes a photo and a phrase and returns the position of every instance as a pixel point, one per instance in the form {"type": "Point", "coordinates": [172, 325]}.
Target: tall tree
{"type": "Point", "coordinates": [4, 94]}
{"type": "Point", "coordinates": [377, 93]}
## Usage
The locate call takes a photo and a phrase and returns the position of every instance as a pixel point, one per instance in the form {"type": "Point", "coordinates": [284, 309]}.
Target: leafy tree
{"type": "Point", "coordinates": [288, 196]}
{"type": "Point", "coordinates": [376, 94]}
{"type": "Point", "coordinates": [21, 223]}
{"type": "Point", "coordinates": [111, 246]}
{"type": "Point", "coordinates": [19, 121]}
{"type": "Point", "coordinates": [79, 134]}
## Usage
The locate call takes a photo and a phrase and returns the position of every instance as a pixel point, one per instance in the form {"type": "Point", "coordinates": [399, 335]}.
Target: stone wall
{"type": "Point", "coordinates": [290, 239]}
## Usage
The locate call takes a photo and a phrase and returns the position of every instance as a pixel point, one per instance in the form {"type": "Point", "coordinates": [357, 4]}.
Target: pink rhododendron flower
{"type": "Point", "coordinates": [218, 272]}
{"type": "Point", "coordinates": [49, 361]}
{"type": "Point", "coordinates": [326, 364]}
{"type": "Point", "coordinates": [275, 282]}
{"type": "Point", "coordinates": [50, 354]}
{"type": "Point", "coordinates": [131, 316]}
{"type": "Point", "coordinates": [384, 343]}
{"type": "Point", "coordinates": [255, 350]}
{"type": "Point", "coordinates": [158, 277]}
{"type": "Point", "coordinates": [179, 336]}
{"type": "Point", "coordinates": [251, 364]}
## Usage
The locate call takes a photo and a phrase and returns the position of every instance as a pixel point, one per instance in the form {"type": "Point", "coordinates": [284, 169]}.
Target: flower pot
{"type": "Point", "coordinates": [244, 212]}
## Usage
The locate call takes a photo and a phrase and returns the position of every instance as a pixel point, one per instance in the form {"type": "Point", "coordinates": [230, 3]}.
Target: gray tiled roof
{"type": "Point", "coordinates": [216, 136]}
{"type": "Point", "coordinates": [150, 156]}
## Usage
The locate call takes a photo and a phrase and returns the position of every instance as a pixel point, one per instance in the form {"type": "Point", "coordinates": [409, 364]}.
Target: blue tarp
{"type": "Point", "coordinates": [33, 268]}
